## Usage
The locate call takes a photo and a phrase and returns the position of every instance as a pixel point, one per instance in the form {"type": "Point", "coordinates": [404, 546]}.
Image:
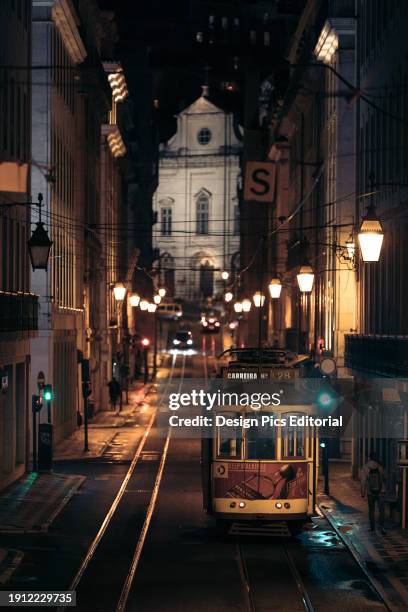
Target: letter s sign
{"type": "Point", "coordinates": [259, 181]}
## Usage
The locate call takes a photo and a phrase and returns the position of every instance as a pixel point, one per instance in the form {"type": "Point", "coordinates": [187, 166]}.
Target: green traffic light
{"type": "Point", "coordinates": [47, 393]}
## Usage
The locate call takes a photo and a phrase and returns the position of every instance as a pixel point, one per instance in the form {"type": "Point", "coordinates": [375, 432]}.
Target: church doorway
{"type": "Point", "coordinates": [206, 279]}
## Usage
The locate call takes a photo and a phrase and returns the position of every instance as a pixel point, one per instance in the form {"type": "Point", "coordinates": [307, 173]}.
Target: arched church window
{"type": "Point", "coordinates": [204, 136]}
{"type": "Point", "coordinates": [202, 207]}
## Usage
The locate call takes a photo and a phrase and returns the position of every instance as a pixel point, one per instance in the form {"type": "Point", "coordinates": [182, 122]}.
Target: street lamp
{"type": "Point", "coordinates": [351, 248]}
{"type": "Point", "coordinates": [246, 305]}
{"type": "Point", "coordinates": [144, 305]}
{"type": "Point", "coordinates": [258, 299]}
{"type": "Point", "coordinates": [134, 300]}
{"type": "Point", "coordinates": [305, 279]}
{"type": "Point", "coordinates": [162, 292]}
{"type": "Point", "coordinates": [238, 307]}
{"type": "Point", "coordinates": [225, 275]}
{"type": "Point", "coordinates": [275, 288]}
{"type": "Point", "coordinates": [228, 296]}
{"type": "Point", "coordinates": [119, 291]}
{"type": "Point", "coordinates": [371, 235]}
{"type": "Point", "coordinates": [157, 299]}
{"type": "Point", "coordinates": [151, 307]}
{"type": "Point", "coordinates": [39, 247]}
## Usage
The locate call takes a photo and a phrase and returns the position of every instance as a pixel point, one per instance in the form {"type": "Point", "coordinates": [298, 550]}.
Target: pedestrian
{"type": "Point", "coordinates": [373, 484]}
{"type": "Point", "coordinates": [114, 392]}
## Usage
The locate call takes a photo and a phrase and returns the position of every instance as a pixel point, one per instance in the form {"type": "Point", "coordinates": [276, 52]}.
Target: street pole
{"type": "Point", "coordinates": [155, 346]}
{"type": "Point", "coordinates": [86, 446]}
{"type": "Point", "coordinates": [49, 412]}
{"type": "Point", "coordinates": [35, 464]}
{"type": "Point", "coordinates": [145, 365]}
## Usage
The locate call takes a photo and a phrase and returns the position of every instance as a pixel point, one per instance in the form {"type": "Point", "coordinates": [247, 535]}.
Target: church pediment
{"type": "Point", "coordinates": [203, 191]}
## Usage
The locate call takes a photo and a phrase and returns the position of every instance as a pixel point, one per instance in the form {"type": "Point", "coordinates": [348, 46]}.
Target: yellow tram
{"type": "Point", "coordinates": [262, 466]}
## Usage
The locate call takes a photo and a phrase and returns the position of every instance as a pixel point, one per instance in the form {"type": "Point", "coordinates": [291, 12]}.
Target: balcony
{"type": "Point", "coordinates": [379, 355]}
{"type": "Point", "coordinates": [18, 312]}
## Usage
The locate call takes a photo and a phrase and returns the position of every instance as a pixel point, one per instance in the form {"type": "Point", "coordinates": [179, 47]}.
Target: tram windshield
{"type": "Point", "coordinates": [293, 440]}
{"type": "Point", "coordinates": [261, 442]}
{"type": "Point", "coordinates": [230, 440]}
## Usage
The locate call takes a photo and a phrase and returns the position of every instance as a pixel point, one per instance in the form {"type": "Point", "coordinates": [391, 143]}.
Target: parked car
{"type": "Point", "coordinates": [183, 340]}
{"type": "Point", "coordinates": [170, 310]}
{"type": "Point", "coordinates": [210, 324]}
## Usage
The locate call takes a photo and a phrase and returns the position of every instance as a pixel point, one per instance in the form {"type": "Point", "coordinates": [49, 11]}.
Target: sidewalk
{"type": "Point", "coordinates": [101, 429]}
{"type": "Point", "coordinates": [384, 559]}
{"type": "Point", "coordinates": [22, 507]}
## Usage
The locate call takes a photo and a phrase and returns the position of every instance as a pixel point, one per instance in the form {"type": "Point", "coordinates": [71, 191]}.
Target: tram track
{"type": "Point", "coordinates": [250, 584]}
{"type": "Point", "coordinates": [108, 523]}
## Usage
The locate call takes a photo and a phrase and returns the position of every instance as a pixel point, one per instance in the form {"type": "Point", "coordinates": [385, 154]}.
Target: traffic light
{"type": "Point", "coordinates": [86, 389]}
{"type": "Point", "coordinates": [47, 393]}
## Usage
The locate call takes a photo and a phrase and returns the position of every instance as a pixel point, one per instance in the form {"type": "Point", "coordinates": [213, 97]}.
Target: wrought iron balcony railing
{"type": "Point", "coordinates": [18, 311]}
{"type": "Point", "coordinates": [379, 355]}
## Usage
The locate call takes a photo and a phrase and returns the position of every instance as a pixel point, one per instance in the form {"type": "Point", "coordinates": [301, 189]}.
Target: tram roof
{"type": "Point", "coordinates": [264, 356]}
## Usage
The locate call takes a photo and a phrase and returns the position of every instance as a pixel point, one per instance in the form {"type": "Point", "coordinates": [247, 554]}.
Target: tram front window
{"type": "Point", "coordinates": [293, 440]}
{"type": "Point", "coordinates": [261, 442]}
{"type": "Point", "coordinates": [229, 440]}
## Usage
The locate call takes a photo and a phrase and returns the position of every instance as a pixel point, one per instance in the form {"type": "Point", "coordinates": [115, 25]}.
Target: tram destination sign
{"type": "Point", "coordinates": [259, 373]}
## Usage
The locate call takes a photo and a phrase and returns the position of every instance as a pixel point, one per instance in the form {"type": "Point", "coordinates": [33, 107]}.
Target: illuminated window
{"type": "Point", "coordinates": [229, 440]}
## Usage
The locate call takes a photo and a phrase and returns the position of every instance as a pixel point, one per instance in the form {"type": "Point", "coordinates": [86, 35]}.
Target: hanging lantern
{"type": "Point", "coordinates": [151, 307]}
{"type": "Point", "coordinates": [144, 305]}
{"type": "Point", "coordinates": [275, 288]}
{"type": "Point", "coordinates": [246, 305]}
{"type": "Point", "coordinates": [238, 307]}
{"type": "Point", "coordinates": [134, 300]}
{"type": "Point", "coordinates": [157, 299]}
{"type": "Point", "coordinates": [259, 299]}
{"type": "Point", "coordinates": [228, 296]}
{"type": "Point", "coordinates": [351, 248]}
{"type": "Point", "coordinates": [162, 292]}
{"type": "Point", "coordinates": [305, 279]}
{"type": "Point", "coordinates": [371, 236]}
{"type": "Point", "coordinates": [39, 247]}
{"type": "Point", "coordinates": [119, 291]}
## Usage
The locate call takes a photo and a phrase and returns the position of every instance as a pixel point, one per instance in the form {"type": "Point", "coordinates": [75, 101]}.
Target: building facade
{"type": "Point", "coordinates": [71, 97]}
{"type": "Point", "coordinates": [18, 306]}
{"type": "Point", "coordinates": [196, 202]}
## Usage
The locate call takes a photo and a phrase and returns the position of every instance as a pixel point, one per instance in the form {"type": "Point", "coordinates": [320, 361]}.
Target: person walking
{"type": "Point", "coordinates": [114, 392]}
{"type": "Point", "coordinates": [373, 484]}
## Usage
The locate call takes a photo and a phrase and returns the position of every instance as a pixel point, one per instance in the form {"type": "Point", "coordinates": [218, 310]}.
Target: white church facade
{"type": "Point", "coordinates": [196, 202]}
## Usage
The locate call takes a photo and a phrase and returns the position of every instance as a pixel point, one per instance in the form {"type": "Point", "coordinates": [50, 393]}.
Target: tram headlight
{"type": "Point", "coordinates": [278, 505]}
{"type": "Point", "coordinates": [242, 504]}
{"type": "Point", "coordinates": [287, 505]}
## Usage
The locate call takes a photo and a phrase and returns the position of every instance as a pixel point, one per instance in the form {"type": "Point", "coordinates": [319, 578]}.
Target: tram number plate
{"type": "Point", "coordinates": [282, 374]}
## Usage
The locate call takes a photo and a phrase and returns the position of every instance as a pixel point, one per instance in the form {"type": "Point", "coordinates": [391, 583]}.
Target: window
{"type": "Point", "coordinates": [166, 214]}
{"type": "Point", "coordinates": [293, 443]}
{"type": "Point", "coordinates": [229, 440]}
{"type": "Point", "coordinates": [236, 220]}
{"type": "Point", "coordinates": [202, 214]}
{"type": "Point", "coordinates": [261, 442]}
{"type": "Point", "coordinates": [204, 136]}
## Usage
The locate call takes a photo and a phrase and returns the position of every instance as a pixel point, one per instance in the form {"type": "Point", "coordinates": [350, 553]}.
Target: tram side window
{"type": "Point", "coordinates": [229, 443]}
{"type": "Point", "coordinates": [293, 440]}
{"type": "Point", "coordinates": [261, 442]}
